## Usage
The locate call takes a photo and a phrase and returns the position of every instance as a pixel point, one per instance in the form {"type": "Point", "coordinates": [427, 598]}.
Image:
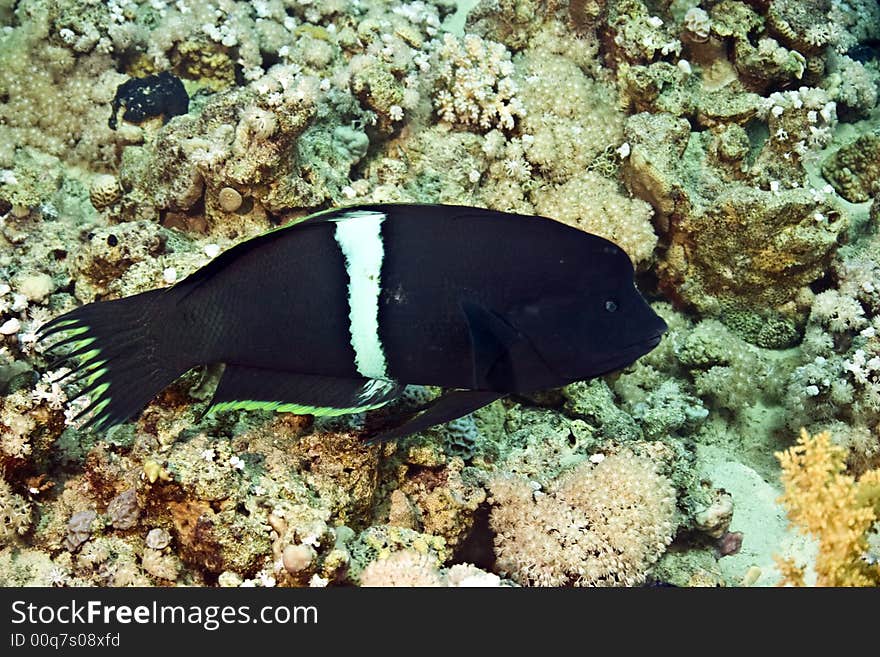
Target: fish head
{"type": "Point", "coordinates": [596, 327]}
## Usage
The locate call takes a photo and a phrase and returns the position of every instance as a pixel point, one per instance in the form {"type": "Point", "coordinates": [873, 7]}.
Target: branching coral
{"type": "Point", "coordinates": [15, 514]}
{"type": "Point", "coordinates": [836, 385]}
{"type": "Point", "coordinates": [838, 510]}
{"type": "Point", "coordinates": [403, 568]}
{"type": "Point", "coordinates": [474, 84]}
{"type": "Point", "coordinates": [411, 568]}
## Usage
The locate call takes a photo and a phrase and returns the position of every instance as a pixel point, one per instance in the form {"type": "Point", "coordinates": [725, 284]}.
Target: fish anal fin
{"type": "Point", "coordinates": [253, 388]}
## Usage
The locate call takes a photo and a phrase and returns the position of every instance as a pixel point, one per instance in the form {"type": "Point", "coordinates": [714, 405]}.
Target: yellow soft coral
{"type": "Point", "coordinates": [834, 507]}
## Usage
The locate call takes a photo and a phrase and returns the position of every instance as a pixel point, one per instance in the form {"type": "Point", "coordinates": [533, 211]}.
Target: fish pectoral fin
{"type": "Point", "coordinates": [451, 406]}
{"type": "Point", "coordinates": [492, 339]}
{"type": "Point", "coordinates": [256, 388]}
{"type": "Point", "coordinates": [504, 358]}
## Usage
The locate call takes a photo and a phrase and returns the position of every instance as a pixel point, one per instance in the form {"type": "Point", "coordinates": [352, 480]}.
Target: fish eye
{"type": "Point", "coordinates": [611, 305]}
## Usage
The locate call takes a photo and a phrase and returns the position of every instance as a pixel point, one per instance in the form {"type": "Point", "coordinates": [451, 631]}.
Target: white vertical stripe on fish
{"type": "Point", "coordinates": [359, 236]}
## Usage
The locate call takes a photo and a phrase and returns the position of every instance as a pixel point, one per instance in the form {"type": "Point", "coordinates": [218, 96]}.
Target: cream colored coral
{"type": "Point", "coordinates": [597, 205]}
{"type": "Point", "coordinates": [570, 119]}
{"type": "Point", "coordinates": [161, 565]}
{"type": "Point", "coordinates": [297, 558]}
{"type": "Point", "coordinates": [474, 86]}
{"type": "Point", "coordinates": [698, 23]}
{"type": "Point", "coordinates": [54, 101]}
{"type": "Point", "coordinates": [403, 568]}
{"type": "Point", "coordinates": [15, 514]}
{"type": "Point", "coordinates": [104, 191]}
{"type": "Point", "coordinates": [601, 524]}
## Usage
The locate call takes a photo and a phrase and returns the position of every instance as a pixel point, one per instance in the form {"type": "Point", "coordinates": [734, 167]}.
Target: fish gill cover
{"type": "Point", "coordinates": [724, 146]}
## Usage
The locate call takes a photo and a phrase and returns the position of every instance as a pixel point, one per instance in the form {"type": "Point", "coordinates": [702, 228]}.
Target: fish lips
{"type": "Point", "coordinates": [632, 353]}
{"type": "Point", "coordinates": [625, 356]}
{"type": "Point", "coordinates": [651, 342]}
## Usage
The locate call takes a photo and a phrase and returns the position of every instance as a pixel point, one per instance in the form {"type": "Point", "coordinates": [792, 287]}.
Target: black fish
{"type": "Point", "coordinates": [336, 313]}
{"type": "Point", "coordinates": [143, 98]}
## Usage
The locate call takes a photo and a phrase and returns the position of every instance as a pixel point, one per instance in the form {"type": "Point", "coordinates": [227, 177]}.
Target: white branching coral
{"type": "Point", "coordinates": [15, 514]}
{"type": "Point", "coordinates": [474, 86]}
{"type": "Point", "coordinates": [50, 391]}
{"type": "Point", "coordinates": [800, 119]}
{"type": "Point", "coordinates": [865, 370]}
{"type": "Point", "coordinates": [408, 568]}
{"type": "Point", "coordinates": [838, 312]}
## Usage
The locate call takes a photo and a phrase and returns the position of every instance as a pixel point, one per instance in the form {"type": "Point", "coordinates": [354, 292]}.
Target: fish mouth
{"type": "Point", "coordinates": [629, 355]}
{"type": "Point", "coordinates": [622, 358]}
{"type": "Point", "coordinates": [644, 346]}
{"type": "Point", "coordinates": [638, 349]}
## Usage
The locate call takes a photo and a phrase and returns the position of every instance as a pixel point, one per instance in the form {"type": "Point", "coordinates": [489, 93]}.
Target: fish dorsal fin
{"type": "Point", "coordinates": [229, 255]}
{"type": "Point", "coordinates": [255, 388]}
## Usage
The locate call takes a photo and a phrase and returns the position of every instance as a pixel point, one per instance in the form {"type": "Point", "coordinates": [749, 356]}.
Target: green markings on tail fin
{"type": "Point", "coordinates": [96, 410]}
{"type": "Point", "coordinates": [88, 368]}
{"type": "Point", "coordinates": [63, 326]}
{"type": "Point", "coordinates": [89, 355]}
{"type": "Point", "coordinates": [74, 330]}
{"type": "Point", "coordinates": [121, 354]}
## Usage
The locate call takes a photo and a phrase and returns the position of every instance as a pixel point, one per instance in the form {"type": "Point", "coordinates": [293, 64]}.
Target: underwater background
{"type": "Point", "coordinates": [731, 148]}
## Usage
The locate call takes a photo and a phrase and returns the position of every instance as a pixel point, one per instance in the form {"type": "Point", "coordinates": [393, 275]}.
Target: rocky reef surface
{"type": "Point", "coordinates": [730, 147]}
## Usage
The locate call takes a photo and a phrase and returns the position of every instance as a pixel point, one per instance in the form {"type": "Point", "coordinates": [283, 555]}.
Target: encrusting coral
{"type": "Point", "coordinates": [763, 247]}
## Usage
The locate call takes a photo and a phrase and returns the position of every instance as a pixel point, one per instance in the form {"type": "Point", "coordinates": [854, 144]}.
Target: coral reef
{"type": "Point", "coordinates": [728, 146]}
{"type": "Point", "coordinates": [853, 171]}
{"type": "Point", "coordinates": [737, 252]}
{"type": "Point", "coordinates": [15, 515]}
{"type": "Point", "coordinates": [474, 84]}
{"type": "Point", "coordinates": [409, 568]}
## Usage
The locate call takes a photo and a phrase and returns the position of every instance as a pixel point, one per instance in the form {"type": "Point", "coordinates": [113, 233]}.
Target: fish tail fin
{"type": "Point", "coordinates": [122, 353]}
